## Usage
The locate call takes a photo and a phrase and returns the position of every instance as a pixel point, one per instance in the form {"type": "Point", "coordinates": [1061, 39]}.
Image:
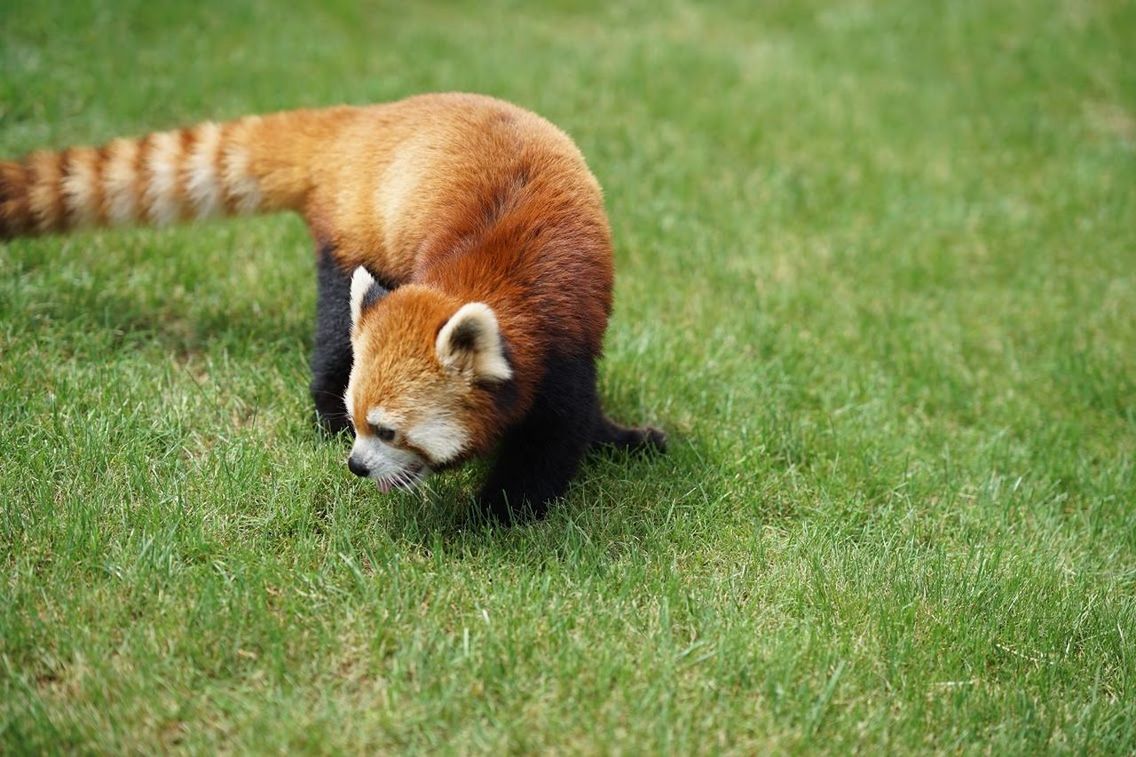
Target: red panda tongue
{"type": "Point", "coordinates": [384, 486]}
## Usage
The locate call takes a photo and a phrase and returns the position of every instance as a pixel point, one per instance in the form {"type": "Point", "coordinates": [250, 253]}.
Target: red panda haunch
{"type": "Point", "coordinates": [464, 269]}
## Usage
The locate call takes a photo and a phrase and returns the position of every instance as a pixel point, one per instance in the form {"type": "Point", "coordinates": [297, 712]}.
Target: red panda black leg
{"type": "Point", "coordinates": [539, 457]}
{"type": "Point", "coordinates": [331, 350]}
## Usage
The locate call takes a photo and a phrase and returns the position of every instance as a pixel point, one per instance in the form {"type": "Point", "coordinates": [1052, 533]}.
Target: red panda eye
{"type": "Point", "coordinates": [385, 433]}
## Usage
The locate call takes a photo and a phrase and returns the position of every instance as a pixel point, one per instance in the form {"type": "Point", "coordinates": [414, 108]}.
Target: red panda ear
{"type": "Point", "coordinates": [470, 344]}
{"type": "Point", "coordinates": [365, 291]}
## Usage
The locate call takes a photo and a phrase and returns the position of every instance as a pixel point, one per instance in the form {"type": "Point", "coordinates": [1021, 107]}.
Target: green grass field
{"type": "Point", "coordinates": [876, 277]}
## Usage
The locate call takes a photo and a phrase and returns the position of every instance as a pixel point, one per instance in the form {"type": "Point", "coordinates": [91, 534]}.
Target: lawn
{"type": "Point", "coordinates": [876, 276]}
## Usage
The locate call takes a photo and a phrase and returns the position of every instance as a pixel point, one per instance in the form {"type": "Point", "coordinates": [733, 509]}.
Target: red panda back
{"type": "Point", "coordinates": [481, 200]}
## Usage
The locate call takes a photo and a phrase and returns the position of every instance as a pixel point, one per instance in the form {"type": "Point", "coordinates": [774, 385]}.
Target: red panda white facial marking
{"type": "Point", "coordinates": [382, 459]}
{"type": "Point", "coordinates": [440, 435]}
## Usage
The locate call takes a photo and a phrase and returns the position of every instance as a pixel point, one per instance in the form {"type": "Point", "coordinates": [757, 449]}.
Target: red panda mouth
{"type": "Point", "coordinates": [405, 479]}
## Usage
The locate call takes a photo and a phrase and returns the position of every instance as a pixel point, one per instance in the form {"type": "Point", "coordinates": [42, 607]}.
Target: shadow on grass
{"type": "Point", "coordinates": [621, 505]}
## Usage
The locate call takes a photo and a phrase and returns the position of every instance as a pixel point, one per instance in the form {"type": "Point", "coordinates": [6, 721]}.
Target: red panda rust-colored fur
{"type": "Point", "coordinates": [464, 270]}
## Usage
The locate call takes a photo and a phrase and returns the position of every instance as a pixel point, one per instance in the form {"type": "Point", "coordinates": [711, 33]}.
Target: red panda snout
{"type": "Point", "coordinates": [387, 465]}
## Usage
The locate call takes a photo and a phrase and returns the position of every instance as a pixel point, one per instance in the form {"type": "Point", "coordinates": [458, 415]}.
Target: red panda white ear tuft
{"type": "Point", "coordinates": [364, 292]}
{"type": "Point", "coordinates": [361, 282]}
{"type": "Point", "coordinates": [470, 343]}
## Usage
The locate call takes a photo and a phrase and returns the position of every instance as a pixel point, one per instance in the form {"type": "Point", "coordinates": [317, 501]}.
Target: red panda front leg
{"type": "Point", "coordinates": [539, 457]}
{"type": "Point", "coordinates": [331, 348]}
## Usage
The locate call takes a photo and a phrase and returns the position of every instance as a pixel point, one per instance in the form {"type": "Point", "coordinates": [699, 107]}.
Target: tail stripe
{"type": "Point", "coordinates": [82, 192]}
{"type": "Point", "coordinates": [119, 181]}
{"type": "Point", "coordinates": [241, 188]}
{"type": "Point", "coordinates": [161, 167]}
{"type": "Point", "coordinates": [15, 215]}
{"type": "Point", "coordinates": [201, 172]}
{"type": "Point", "coordinates": [44, 199]}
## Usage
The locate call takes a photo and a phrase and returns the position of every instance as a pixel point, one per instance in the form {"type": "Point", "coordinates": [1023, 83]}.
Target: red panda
{"type": "Point", "coordinates": [464, 271]}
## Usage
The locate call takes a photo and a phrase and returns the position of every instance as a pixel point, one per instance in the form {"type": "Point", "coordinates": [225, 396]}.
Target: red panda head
{"type": "Point", "coordinates": [424, 370]}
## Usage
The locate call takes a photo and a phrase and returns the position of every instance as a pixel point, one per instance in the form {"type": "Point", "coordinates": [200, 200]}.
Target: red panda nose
{"type": "Point", "coordinates": [357, 467]}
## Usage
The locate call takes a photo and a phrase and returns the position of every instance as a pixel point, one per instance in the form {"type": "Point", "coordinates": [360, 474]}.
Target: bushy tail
{"type": "Point", "coordinates": [257, 164]}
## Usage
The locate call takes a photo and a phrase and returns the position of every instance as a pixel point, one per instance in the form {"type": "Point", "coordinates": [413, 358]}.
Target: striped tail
{"type": "Point", "coordinates": [257, 164]}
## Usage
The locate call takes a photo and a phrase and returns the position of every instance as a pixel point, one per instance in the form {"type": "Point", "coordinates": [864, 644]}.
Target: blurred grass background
{"type": "Point", "coordinates": [876, 276]}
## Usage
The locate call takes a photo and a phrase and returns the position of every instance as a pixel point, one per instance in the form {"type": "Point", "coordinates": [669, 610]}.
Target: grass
{"type": "Point", "coordinates": [876, 276]}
